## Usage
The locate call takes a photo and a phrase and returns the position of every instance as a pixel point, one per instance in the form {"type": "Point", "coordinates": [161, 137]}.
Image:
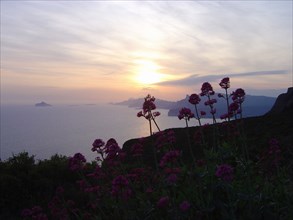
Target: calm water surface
{"type": "Point", "coordinates": [44, 131]}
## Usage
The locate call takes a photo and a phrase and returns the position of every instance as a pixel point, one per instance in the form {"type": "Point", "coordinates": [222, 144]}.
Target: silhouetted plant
{"type": "Point", "coordinates": [147, 108]}
{"type": "Point", "coordinates": [218, 184]}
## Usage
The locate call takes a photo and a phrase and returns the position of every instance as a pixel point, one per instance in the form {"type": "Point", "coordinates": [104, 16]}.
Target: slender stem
{"type": "Point", "coordinates": [155, 123]}
{"type": "Point", "coordinates": [212, 109]}
{"type": "Point", "coordinates": [227, 100]}
{"type": "Point", "coordinates": [197, 116]}
{"type": "Point", "coordinates": [150, 123]}
{"type": "Point", "coordinates": [186, 122]}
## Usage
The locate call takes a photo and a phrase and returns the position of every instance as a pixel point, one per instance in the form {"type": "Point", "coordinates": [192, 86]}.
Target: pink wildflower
{"type": "Point", "coordinates": [225, 172]}
{"type": "Point", "coordinates": [206, 89]}
{"type": "Point", "coordinates": [163, 202]}
{"type": "Point", "coordinates": [120, 187]}
{"type": "Point", "coordinates": [194, 99]}
{"type": "Point", "coordinates": [76, 162]}
{"type": "Point", "coordinates": [169, 157]}
{"type": "Point", "coordinates": [184, 206]}
{"type": "Point", "coordinates": [225, 83]}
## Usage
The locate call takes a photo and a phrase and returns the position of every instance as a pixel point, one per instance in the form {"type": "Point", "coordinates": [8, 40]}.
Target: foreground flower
{"type": "Point", "coordinates": [76, 162]}
{"type": "Point", "coordinates": [233, 109]}
{"type": "Point", "coordinates": [195, 99]}
{"type": "Point", "coordinates": [34, 213]}
{"type": "Point", "coordinates": [98, 146]}
{"type": "Point", "coordinates": [225, 83]}
{"type": "Point", "coordinates": [186, 114]}
{"type": "Point", "coordinates": [225, 172]}
{"type": "Point", "coordinates": [238, 96]}
{"type": "Point", "coordinates": [184, 206]}
{"type": "Point", "coordinates": [120, 188]}
{"type": "Point", "coordinates": [207, 90]}
{"type": "Point", "coordinates": [147, 108]}
{"type": "Point", "coordinates": [163, 202]}
{"type": "Point", "coordinates": [169, 157]}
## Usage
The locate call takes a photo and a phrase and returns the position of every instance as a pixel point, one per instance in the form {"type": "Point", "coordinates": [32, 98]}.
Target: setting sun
{"type": "Point", "coordinates": [147, 72]}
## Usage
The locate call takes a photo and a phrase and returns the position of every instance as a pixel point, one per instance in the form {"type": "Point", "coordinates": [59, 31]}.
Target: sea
{"type": "Point", "coordinates": [69, 129]}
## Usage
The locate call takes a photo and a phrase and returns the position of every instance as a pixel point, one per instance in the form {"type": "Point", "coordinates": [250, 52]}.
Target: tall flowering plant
{"type": "Point", "coordinates": [238, 97]}
{"type": "Point", "coordinates": [186, 114]}
{"type": "Point", "coordinates": [147, 108]}
{"type": "Point", "coordinates": [225, 84]}
{"type": "Point", "coordinates": [195, 100]}
{"type": "Point", "coordinates": [207, 90]}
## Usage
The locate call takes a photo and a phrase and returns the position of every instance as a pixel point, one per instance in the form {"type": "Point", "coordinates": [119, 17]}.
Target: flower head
{"type": "Point", "coordinates": [233, 107]}
{"type": "Point", "coordinates": [163, 202]}
{"type": "Point", "coordinates": [76, 162]}
{"type": "Point", "coordinates": [194, 99]}
{"type": "Point", "coordinates": [238, 95]}
{"type": "Point", "coordinates": [207, 89]}
{"type": "Point", "coordinates": [97, 145]}
{"type": "Point", "coordinates": [184, 206]}
{"type": "Point", "coordinates": [225, 172]}
{"type": "Point", "coordinates": [120, 187]}
{"type": "Point", "coordinates": [156, 114]}
{"type": "Point", "coordinates": [225, 83]}
{"type": "Point", "coordinates": [169, 157]}
{"type": "Point", "coordinates": [185, 113]}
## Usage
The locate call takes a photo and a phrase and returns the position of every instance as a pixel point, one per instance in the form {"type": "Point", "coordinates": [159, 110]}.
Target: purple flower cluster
{"type": "Point", "coordinates": [163, 202]}
{"type": "Point", "coordinates": [120, 188]}
{"type": "Point", "coordinates": [184, 206]}
{"type": "Point", "coordinates": [194, 99]}
{"type": "Point", "coordinates": [108, 152]}
{"type": "Point", "coordinates": [207, 90]}
{"type": "Point", "coordinates": [77, 162]}
{"type": "Point", "coordinates": [186, 114]}
{"type": "Point", "coordinates": [169, 157]}
{"type": "Point", "coordinates": [225, 172]}
{"type": "Point", "coordinates": [165, 138]}
{"type": "Point", "coordinates": [225, 83]}
{"type": "Point", "coordinates": [238, 96]}
{"type": "Point", "coordinates": [35, 213]}
{"type": "Point", "coordinates": [147, 108]}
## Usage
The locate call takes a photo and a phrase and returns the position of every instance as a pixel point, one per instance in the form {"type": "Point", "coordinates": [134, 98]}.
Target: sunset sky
{"type": "Point", "coordinates": [108, 51]}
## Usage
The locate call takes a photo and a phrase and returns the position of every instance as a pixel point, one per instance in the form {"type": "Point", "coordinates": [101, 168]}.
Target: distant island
{"type": "Point", "coordinates": [42, 104]}
{"type": "Point", "coordinates": [253, 105]}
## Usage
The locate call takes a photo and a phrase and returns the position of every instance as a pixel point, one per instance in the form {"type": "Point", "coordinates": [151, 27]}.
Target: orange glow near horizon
{"type": "Point", "coordinates": [147, 72]}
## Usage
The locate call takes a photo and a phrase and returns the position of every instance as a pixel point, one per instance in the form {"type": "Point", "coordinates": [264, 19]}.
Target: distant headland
{"type": "Point", "coordinates": [42, 104]}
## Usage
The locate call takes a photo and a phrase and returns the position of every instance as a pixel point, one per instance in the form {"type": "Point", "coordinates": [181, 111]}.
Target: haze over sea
{"type": "Point", "coordinates": [45, 131]}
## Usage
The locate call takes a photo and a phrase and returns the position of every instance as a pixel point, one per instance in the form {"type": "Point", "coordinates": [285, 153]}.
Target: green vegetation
{"type": "Point", "coordinates": [238, 169]}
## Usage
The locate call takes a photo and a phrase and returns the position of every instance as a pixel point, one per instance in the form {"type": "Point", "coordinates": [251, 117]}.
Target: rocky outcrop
{"type": "Point", "coordinates": [283, 104]}
{"type": "Point", "coordinates": [42, 104]}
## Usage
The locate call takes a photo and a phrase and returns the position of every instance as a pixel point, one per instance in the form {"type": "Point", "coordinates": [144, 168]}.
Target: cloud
{"type": "Point", "coordinates": [82, 43]}
{"type": "Point", "coordinates": [195, 79]}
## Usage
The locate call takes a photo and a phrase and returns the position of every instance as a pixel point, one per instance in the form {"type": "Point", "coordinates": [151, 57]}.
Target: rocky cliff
{"type": "Point", "coordinates": [283, 104]}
